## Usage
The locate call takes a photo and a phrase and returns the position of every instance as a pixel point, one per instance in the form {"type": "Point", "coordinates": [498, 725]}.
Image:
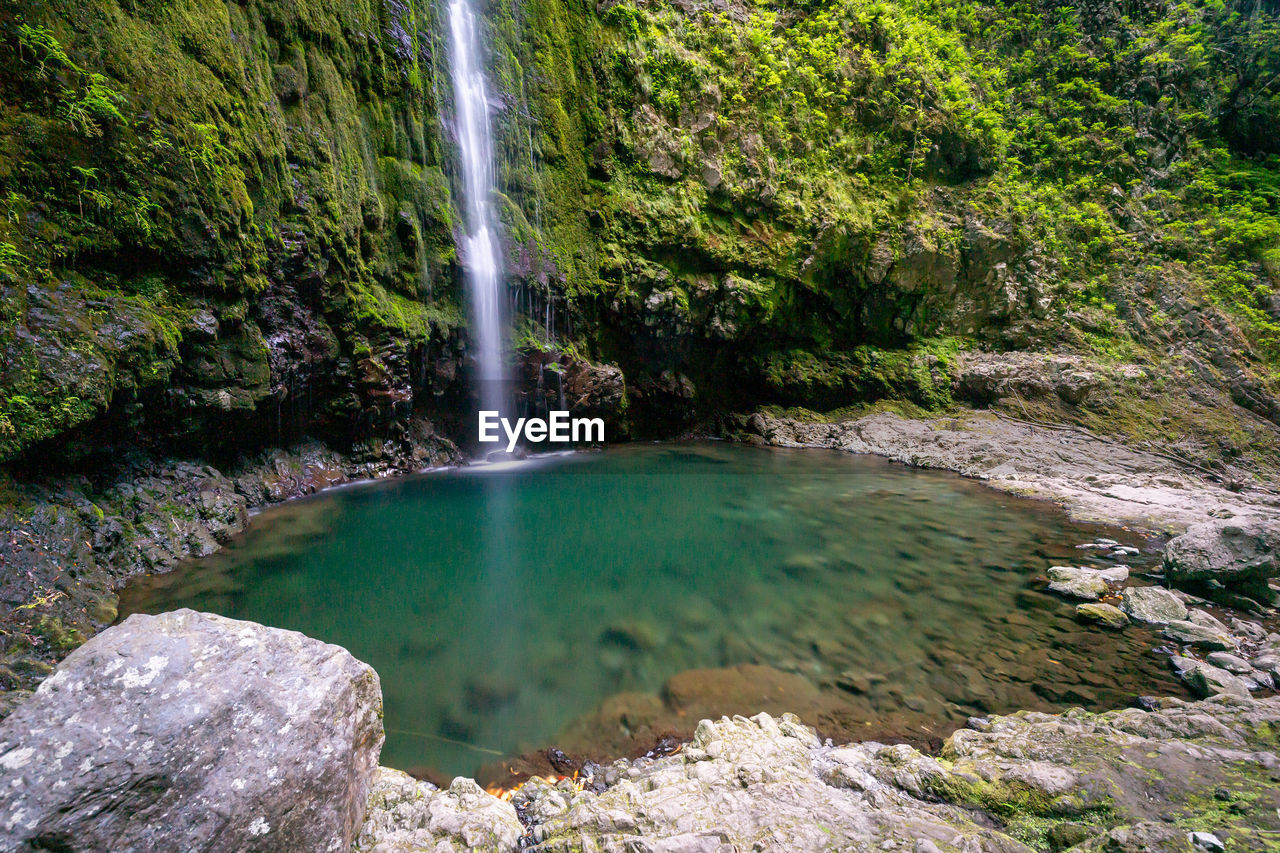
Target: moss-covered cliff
{"type": "Point", "coordinates": [234, 220]}
{"type": "Point", "coordinates": [219, 215]}
{"type": "Point", "coordinates": [819, 203]}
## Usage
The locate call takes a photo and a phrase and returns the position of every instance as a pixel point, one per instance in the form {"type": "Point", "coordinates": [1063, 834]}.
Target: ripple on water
{"type": "Point", "coordinates": [602, 600]}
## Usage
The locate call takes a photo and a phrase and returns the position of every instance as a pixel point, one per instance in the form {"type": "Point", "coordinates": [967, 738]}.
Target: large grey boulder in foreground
{"type": "Point", "coordinates": [192, 732]}
{"type": "Point", "coordinates": [1235, 552]}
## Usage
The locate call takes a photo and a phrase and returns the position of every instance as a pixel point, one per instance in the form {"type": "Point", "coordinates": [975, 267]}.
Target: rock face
{"type": "Point", "coordinates": [193, 732]}
{"type": "Point", "coordinates": [1234, 553]}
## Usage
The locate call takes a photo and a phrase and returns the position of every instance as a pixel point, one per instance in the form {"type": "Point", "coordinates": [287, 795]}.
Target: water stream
{"type": "Point", "coordinates": [480, 253]}
{"type": "Point", "coordinates": [597, 600]}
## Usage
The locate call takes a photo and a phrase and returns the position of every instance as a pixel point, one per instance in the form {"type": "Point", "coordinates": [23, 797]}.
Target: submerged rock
{"type": "Point", "coordinates": [1234, 553]}
{"type": "Point", "coordinates": [1152, 604]}
{"type": "Point", "coordinates": [1103, 614]}
{"type": "Point", "coordinates": [192, 732]}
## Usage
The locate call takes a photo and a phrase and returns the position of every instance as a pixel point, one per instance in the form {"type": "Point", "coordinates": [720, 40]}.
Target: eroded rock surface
{"type": "Point", "coordinates": [407, 816]}
{"type": "Point", "coordinates": [193, 732]}
{"type": "Point", "coordinates": [1026, 781]}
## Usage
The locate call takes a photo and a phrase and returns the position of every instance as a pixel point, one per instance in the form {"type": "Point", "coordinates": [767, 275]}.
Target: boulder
{"type": "Point", "coordinates": [193, 732]}
{"type": "Point", "coordinates": [1103, 614]}
{"type": "Point", "coordinates": [1235, 553]}
{"type": "Point", "coordinates": [1152, 604]}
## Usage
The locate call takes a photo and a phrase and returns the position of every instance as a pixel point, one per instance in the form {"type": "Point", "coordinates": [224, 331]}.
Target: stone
{"type": "Point", "coordinates": [1205, 619]}
{"type": "Point", "coordinates": [1104, 614]}
{"type": "Point", "coordinates": [1208, 680]}
{"type": "Point", "coordinates": [1197, 635]}
{"type": "Point", "coordinates": [1152, 604]}
{"type": "Point", "coordinates": [188, 731]}
{"type": "Point", "coordinates": [1146, 837]}
{"type": "Point", "coordinates": [1206, 841]}
{"type": "Point", "coordinates": [1114, 574]}
{"type": "Point", "coordinates": [1268, 663]}
{"type": "Point", "coordinates": [759, 783]}
{"type": "Point", "coordinates": [1077, 582]}
{"type": "Point", "coordinates": [633, 634]}
{"type": "Point", "coordinates": [1234, 552]}
{"type": "Point", "coordinates": [405, 815]}
{"type": "Point", "coordinates": [1231, 663]}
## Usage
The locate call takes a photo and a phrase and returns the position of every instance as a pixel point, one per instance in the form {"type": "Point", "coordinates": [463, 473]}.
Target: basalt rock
{"type": "Point", "coordinates": [193, 732]}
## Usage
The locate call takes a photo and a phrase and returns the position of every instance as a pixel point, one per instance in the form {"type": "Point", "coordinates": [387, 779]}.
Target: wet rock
{"type": "Point", "coordinates": [1197, 635]}
{"type": "Point", "coordinates": [1152, 604]}
{"type": "Point", "coordinates": [1208, 680]}
{"type": "Point", "coordinates": [188, 731]}
{"type": "Point", "coordinates": [1236, 553]}
{"type": "Point", "coordinates": [1104, 614]}
{"type": "Point", "coordinates": [404, 815]}
{"type": "Point", "coordinates": [1094, 480]}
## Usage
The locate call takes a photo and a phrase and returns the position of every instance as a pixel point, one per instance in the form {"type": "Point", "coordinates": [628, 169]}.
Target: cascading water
{"type": "Point", "coordinates": [480, 248]}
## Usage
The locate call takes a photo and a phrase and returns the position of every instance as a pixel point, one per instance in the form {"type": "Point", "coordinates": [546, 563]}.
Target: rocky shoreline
{"type": "Point", "coordinates": [73, 542]}
{"type": "Point", "coordinates": [755, 783]}
{"type": "Point", "coordinates": [1091, 478]}
{"type": "Point", "coordinates": [195, 732]}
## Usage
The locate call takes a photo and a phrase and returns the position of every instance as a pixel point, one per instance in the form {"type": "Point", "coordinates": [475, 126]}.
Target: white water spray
{"type": "Point", "coordinates": [480, 249]}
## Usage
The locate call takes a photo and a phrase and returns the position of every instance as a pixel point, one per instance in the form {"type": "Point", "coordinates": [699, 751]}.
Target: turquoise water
{"type": "Point", "coordinates": [501, 605]}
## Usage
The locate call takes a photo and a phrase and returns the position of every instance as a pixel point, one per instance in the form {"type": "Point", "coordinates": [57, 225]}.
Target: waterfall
{"type": "Point", "coordinates": [480, 247]}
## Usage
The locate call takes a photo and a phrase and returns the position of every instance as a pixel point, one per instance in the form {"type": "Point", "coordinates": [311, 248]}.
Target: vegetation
{"type": "Point", "coordinates": [801, 203]}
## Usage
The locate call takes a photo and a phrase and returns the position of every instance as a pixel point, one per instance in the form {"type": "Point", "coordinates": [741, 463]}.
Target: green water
{"type": "Point", "coordinates": [500, 605]}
